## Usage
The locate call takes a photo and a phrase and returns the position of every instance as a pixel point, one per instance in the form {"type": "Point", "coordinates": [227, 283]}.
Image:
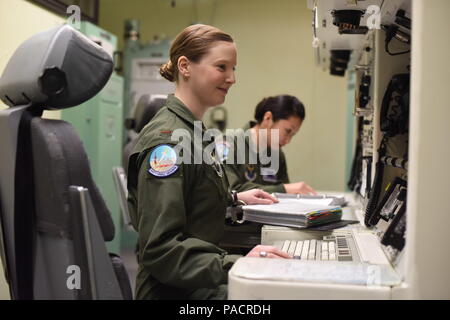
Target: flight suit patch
{"type": "Point", "coordinates": [165, 133]}
{"type": "Point", "coordinates": [250, 172]}
{"type": "Point", "coordinates": [162, 161]}
{"type": "Point", "coordinates": [269, 175]}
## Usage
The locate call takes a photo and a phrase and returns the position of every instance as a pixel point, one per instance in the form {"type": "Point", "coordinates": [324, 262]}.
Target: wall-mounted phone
{"type": "Point", "coordinates": [395, 209]}
{"type": "Point", "coordinates": [393, 202]}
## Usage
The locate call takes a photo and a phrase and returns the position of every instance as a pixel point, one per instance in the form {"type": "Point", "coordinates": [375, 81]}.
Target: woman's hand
{"type": "Point", "coordinates": [261, 251]}
{"type": "Point", "coordinates": [256, 196]}
{"type": "Point", "coordinates": [299, 187]}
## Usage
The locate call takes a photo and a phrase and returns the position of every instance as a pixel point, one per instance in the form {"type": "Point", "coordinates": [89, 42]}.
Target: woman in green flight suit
{"type": "Point", "coordinates": [178, 207]}
{"type": "Point", "coordinates": [284, 113]}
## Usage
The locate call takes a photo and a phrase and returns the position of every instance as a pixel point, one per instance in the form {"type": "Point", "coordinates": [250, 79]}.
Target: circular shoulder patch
{"type": "Point", "coordinates": [162, 161]}
{"type": "Point", "coordinates": [222, 150]}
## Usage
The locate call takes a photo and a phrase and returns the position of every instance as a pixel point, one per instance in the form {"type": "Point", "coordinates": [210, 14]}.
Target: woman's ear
{"type": "Point", "coordinates": [267, 119]}
{"type": "Point", "coordinates": [183, 66]}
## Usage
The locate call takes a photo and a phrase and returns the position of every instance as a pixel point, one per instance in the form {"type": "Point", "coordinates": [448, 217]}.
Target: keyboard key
{"type": "Point", "coordinates": [324, 256]}
{"type": "Point", "coordinates": [319, 250]}
{"type": "Point", "coordinates": [286, 246]}
{"type": "Point", "coordinates": [291, 249]}
{"type": "Point", "coordinates": [324, 246]}
{"type": "Point", "coordinates": [332, 256]}
{"type": "Point", "coordinates": [332, 247]}
{"type": "Point", "coordinates": [298, 250]}
{"type": "Point", "coordinates": [305, 250]}
{"type": "Point", "coordinates": [312, 250]}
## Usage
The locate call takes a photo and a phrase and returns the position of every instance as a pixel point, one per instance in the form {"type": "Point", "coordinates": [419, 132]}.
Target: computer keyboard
{"type": "Point", "coordinates": [330, 248]}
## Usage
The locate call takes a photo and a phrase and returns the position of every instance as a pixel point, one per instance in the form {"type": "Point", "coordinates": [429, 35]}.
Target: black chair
{"type": "Point", "coordinates": [144, 111]}
{"type": "Point", "coordinates": [54, 222]}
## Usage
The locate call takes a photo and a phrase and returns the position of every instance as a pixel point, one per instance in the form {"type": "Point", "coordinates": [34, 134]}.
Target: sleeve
{"type": "Point", "coordinates": [169, 255]}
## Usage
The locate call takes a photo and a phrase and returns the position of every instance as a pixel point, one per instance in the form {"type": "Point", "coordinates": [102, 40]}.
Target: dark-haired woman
{"type": "Point", "coordinates": [178, 208]}
{"type": "Point", "coordinates": [283, 114]}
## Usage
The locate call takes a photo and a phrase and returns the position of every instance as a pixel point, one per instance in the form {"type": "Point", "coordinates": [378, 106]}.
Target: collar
{"type": "Point", "coordinates": [179, 108]}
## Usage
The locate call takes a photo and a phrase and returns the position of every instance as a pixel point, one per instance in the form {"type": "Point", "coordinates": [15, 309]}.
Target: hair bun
{"type": "Point", "coordinates": [167, 71]}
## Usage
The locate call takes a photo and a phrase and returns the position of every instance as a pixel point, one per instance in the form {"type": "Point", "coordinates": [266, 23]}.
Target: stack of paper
{"type": "Point", "coordinates": [325, 199]}
{"type": "Point", "coordinates": [299, 213]}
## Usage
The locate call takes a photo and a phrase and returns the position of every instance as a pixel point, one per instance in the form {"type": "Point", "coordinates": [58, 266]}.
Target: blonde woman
{"type": "Point", "coordinates": [177, 208]}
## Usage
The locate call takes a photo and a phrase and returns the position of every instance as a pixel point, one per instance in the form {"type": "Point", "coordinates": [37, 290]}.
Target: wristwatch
{"type": "Point", "coordinates": [235, 198]}
{"type": "Point", "coordinates": [236, 209]}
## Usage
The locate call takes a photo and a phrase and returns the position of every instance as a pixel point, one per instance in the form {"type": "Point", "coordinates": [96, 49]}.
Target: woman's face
{"type": "Point", "coordinates": [287, 128]}
{"type": "Point", "coordinates": [211, 77]}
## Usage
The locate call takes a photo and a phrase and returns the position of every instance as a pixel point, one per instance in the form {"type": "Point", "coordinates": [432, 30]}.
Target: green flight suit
{"type": "Point", "coordinates": [248, 176]}
{"type": "Point", "coordinates": [179, 217]}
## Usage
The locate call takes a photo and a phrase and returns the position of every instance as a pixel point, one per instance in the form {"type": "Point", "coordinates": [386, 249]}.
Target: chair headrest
{"type": "Point", "coordinates": [55, 69]}
{"type": "Point", "coordinates": [145, 109]}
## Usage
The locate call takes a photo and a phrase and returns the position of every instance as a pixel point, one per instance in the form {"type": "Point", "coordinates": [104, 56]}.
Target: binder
{"type": "Point", "coordinates": [293, 212]}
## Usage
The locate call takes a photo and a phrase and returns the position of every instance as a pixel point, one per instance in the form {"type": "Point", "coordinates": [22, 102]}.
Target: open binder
{"type": "Point", "coordinates": [294, 212]}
